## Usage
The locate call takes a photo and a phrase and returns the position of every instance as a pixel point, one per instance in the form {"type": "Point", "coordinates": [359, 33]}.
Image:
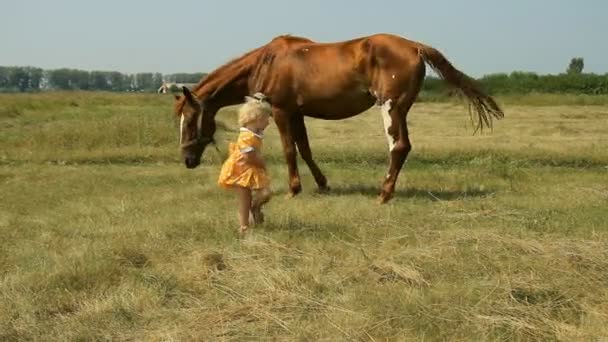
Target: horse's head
{"type": "Point", "coordinates": [196, 128]}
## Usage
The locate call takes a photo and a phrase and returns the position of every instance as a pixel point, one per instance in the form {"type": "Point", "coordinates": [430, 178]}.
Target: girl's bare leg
{"type": "Point", "coordinates": [244, 198]}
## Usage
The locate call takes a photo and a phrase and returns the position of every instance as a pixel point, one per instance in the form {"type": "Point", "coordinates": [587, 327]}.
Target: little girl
{"type": "Point", "coordinates": [245, 170]}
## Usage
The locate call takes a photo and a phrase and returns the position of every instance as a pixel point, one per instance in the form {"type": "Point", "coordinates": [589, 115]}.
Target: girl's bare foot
{"type": "Point", "coordinates": [243, 230]}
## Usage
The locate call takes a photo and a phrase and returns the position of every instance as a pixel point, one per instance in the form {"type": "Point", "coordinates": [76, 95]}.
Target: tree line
{"type": "Point", "coordinates": [529, 82]}
{"type": "Point", "coordinates": [27, 79]}
{"type": "Point", "coordinates": [23, 79]}
{"type": "Point", "coordinates": [573, 81]}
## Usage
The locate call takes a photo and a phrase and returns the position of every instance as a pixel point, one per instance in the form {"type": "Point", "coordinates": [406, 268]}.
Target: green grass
{"type": "Point", "coordinates": [105, 235]}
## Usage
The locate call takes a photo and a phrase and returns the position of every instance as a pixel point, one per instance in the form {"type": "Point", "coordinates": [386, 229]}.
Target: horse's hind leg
{"type": "Point", "coordinates": [395, 125]}
{"type": "Point", "coordinates": [301, 138]}
{"type": "Point", "coordinates": [258, 199]}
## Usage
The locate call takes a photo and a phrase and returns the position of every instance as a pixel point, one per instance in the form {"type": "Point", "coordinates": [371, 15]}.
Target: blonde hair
{"type": "Point", "coordinates": [254, 108]}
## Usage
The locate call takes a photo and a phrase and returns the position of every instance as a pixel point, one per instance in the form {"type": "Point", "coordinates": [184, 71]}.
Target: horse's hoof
{"type": "Point", "coordinates": [323, 189]}
{"type": "Point", "coordinates": [294, 189]}
{"type": "Point", "coordinates": [383, 198]}
{"type": "Point", "coordinates": [258, 216]}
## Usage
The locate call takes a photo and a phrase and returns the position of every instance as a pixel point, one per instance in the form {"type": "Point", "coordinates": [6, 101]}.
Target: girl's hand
{"type": "Point", "coordinates": [251, 158]}
{"type": "Point", "coordinates": [242, 159]}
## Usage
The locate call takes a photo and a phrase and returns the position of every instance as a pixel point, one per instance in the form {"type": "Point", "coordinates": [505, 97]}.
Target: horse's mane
{"type": "Point", "coordinates": [223, 75]}
{"type": "Point", "coordinates": [241, 66]}
{"type": "Point", "coordinates": [245, 63]}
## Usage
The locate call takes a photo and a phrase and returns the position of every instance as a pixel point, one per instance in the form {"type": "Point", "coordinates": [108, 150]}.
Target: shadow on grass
{"type": "Point", "coordinates": [313, 228]}
{"type": "Point", "coordinates": [430, 194]}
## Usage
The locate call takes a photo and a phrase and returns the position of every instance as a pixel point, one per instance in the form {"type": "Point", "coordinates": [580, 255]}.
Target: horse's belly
{"type": "Point", "coordinates": [338, 106]}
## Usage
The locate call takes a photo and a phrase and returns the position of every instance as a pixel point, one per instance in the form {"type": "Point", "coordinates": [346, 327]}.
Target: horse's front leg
{"type": "Point", "coordinates": [301, 138]}
{"type": "Point", "coordinates": [282, 121]}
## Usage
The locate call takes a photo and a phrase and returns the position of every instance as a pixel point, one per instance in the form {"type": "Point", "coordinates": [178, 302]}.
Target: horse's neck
{"type": "Point", "coordinates": [218, 92]}
{"type": "Point", "coordinates": [229, 84]}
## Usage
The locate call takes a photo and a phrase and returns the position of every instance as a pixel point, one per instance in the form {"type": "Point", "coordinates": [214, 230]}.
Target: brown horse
{"type": "Point", "coordinates": [330, 81]}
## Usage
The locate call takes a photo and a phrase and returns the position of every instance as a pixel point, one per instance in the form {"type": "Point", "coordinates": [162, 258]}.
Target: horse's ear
{"type": "Point", "coordinates": [187, 94]}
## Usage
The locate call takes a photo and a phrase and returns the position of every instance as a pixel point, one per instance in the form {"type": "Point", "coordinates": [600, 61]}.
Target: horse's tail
{"type": "Point", "coordinates": [485, 105]}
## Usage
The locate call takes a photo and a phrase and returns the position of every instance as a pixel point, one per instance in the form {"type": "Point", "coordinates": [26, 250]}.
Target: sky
{"type": "Point", "coordinates": [478, 36]}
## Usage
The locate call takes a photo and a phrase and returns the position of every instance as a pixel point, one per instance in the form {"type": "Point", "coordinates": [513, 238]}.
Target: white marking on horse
{"type": "Point", "coordinates": [393, 77]}
{"type": "Point", "coordinates": [386, 118]}
{"type": "Point", "coordinates": [181, 128]}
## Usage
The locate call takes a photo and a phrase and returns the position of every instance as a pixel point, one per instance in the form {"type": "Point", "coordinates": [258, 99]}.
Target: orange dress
{"type": "Point", "coordinates": [235, 173]}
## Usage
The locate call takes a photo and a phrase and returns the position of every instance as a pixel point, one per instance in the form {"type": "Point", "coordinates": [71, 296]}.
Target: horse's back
{"type": "Point", "coordinates": [304, 60]}
{"type": "Point", "coordinates": [343, 77]}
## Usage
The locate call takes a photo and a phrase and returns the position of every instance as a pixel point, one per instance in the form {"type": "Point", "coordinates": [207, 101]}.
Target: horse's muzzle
{"type": "Point", "coordinates": [192, 162]}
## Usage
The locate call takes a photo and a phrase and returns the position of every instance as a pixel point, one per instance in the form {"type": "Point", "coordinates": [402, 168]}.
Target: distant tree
{"type": "Point", "coordinates": [60, 79]}
{"type": "Point", "coordinates": [45, 80]}
{"type": "Point", "coordinates": [157, 80]}
{"type": "Point", "coordinates": [3, 77]}
{"type": "Point", "coordinates": [576, 66]}
{"type": "Point", "coordinates": [69, 79]}
{"type": "Point", "coordinates": [185, 77]}
{"type": "Point", "coordinates": [129, 82]}
{"type": "Point", "coordinates": [99, 80]}
{"type": "Point", "coordinates": [35, 78]}
{"type": "Point", "coordinates": [80, 79]}
{"type": "Point", "coordinates": [144, 81]}
{"type": "Point", "coordinates": [18, 78]}
{"type": "Point", "coordinates": [118, 81]}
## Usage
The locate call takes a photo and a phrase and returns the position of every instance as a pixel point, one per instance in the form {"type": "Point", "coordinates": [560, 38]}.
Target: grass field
{"type": "Point", "coordinates": [105, 235]}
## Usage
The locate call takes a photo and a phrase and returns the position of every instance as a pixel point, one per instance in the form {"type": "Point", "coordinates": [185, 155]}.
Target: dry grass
{"type": "Point", "coordinates": [104, 235]}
